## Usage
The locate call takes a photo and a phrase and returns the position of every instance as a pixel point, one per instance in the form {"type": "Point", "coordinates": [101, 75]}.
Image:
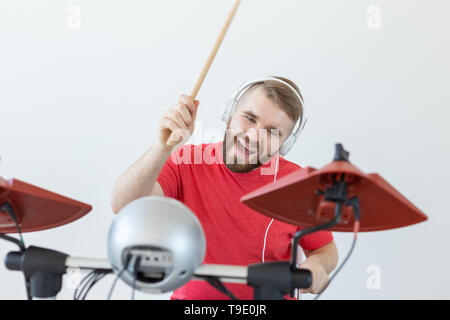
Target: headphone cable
{"type": "Point", "coordinates": [271, 221]}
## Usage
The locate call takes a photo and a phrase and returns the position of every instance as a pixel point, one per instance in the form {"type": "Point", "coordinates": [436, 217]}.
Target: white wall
{"type": "Point", "coordinates": [79, 105]}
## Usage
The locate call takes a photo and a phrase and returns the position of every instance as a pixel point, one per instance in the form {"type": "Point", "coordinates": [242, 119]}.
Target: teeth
{"type": "Point", "coordinates": [243, 145]}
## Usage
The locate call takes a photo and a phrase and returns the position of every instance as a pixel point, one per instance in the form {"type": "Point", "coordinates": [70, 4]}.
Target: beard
{"type": "Point", "coordinates": [230, 158]}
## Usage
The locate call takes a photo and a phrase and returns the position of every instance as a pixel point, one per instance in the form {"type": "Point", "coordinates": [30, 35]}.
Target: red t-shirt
{"type": "Point", "coordinates": [197, 176]}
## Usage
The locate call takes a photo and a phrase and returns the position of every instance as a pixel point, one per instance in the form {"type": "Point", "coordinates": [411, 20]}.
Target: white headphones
{"type": "Point", "coordinates": [298, 128]}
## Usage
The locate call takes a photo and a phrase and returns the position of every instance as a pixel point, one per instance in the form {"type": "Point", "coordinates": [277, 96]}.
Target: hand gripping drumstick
{"type": "Point", "coordinates": [173, 140]}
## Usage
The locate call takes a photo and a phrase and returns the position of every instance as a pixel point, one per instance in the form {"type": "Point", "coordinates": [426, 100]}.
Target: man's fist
{"type": "Point", "coordinates": [320, 277]}
{"type": "Point", "coordinates": [177, 124]}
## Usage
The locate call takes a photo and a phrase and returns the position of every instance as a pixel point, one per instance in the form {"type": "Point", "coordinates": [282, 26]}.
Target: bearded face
{"type": "Point", "coordinates": [255, 132]}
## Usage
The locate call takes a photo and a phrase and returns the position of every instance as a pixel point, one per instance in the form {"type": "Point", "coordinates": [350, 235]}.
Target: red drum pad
{"type": "Point", "coordinates": [294, 199]}
{"type": "Point", "coordinates": [36, 208]}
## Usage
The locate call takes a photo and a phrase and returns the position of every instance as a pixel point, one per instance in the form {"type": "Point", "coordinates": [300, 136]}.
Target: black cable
{"type": "Point", "coordinates": [216, 283]}
{"type": "Point", "coordinates": [28, 288]}
{"type": "Point", "coordinates": [127, 262]}
{"type": "Point", "coordinates": [13, 240]}
{"type": "Point", "coordinates": [22, 249]}
{"type": "Point", "coordinates": [338, 269]}
{"type": "Point", "coordinates": [77, 290]}
{"type": "Point", "coordinates": [98, 277]}
{"type": "Point", "coordinates": [135, 271]}
{"type": "Point", "coordinates": [134, 288]}
{"type": "Point", "coordinates": [6, 207]}
{"type": "Point", "coordinates": [304, 232]}
{"type": "Point", "coordinates": [88, 282]}
{"type": "Point", "coordinates": [354, 202]}
{"type": "Point", "coordinates": [114, 283]}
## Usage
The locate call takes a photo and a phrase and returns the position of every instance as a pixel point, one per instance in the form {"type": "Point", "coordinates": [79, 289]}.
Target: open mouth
{"type": "Point", "coordinates": [242, 149]}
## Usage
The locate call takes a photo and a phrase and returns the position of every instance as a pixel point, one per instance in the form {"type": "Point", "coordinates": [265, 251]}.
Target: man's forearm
{"type": "Point", "coordinates": [139, 179]}
{"type": "Point", "coordinates": [326, 256]}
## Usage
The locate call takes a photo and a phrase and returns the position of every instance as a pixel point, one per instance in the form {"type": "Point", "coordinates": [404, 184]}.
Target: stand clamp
{"type": "Point", "coordinates": [272, 280]}
{"type": "Point", "coordinates": [43, 267]}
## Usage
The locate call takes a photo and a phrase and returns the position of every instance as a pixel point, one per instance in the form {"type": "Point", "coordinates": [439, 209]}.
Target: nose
{"type": "Point", "coordinates": [252, 135]}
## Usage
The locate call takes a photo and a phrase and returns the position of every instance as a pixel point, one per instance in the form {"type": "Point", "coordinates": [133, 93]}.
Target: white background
{"type": "Point", "coordinates": [80, 100]}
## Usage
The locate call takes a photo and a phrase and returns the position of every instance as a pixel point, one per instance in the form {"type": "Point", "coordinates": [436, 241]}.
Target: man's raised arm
{"type": "Point", "coordinates": [139, 180]}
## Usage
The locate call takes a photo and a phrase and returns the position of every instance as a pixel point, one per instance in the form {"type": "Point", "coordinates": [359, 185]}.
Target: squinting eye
{"type": "Point", "coordinates": [250, 119]}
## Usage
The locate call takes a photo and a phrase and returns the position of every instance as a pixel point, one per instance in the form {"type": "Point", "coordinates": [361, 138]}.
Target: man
{"type": "Point", "coordinates": [211, 178]}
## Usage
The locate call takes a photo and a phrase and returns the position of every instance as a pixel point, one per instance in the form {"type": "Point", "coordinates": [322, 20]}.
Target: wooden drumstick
{"type": "Point", "coordinates": [173, 140]}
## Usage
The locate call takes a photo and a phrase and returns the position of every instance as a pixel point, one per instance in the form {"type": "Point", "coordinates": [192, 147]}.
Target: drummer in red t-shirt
{"type": "Point", "coordinates": [211, 178]}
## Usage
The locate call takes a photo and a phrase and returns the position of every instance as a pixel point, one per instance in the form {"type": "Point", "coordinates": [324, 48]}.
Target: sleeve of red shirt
{"type": "Point", "coordinates": [170, 178]}
{"type": "Point", "coordinates": [316, 240]}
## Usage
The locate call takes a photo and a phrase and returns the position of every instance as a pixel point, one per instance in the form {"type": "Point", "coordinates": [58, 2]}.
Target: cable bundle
{"type": "Point", "coordinates": [88, 282]}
